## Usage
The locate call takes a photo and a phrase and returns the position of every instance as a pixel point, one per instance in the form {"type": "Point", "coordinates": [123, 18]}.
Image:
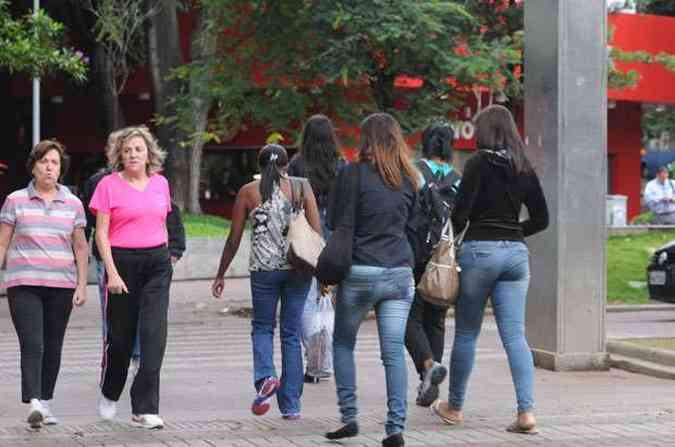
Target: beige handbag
{"type": "Point", "coordinates": [439, 284]}
{"type": "Point", "coordinates": [304, 244]}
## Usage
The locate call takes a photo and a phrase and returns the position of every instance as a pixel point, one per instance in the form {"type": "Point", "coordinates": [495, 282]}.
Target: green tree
{"type": "Point", "coordinates": [273, 63]}
{"type": "Point", "coordinates": [280, 61]}
{"type": "Point", "coordinates": [322, 49]}
{"type": "Point", "coordinates": [276, 62]}
{"type": "Point", "coordinates": [657, 7]}
{"type": "Point", "coordinates": [656, 121]}
{"type": "Point", "coordinates": [33, 44]}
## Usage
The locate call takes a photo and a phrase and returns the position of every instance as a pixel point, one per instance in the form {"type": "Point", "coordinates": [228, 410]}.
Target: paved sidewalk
{"type": "Point", "coordinates": [207, 390]}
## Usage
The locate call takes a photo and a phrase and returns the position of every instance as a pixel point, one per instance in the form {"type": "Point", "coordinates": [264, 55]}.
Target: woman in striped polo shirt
{"type": "Point", "coordinates": [46, 272]}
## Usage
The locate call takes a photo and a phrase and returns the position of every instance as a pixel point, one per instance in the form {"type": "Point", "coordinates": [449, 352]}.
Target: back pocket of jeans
{"type": "Point", "coordinates": [481, 253]}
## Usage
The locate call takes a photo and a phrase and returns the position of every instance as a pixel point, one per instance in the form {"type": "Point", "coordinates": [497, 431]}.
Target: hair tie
{"type": "Point", "coordinates": [274, 156]}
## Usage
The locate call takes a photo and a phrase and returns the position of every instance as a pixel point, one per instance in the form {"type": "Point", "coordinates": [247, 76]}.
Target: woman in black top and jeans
{"type": "Point", "coordinates": [381, 275]}
{"type": "Point", "coordinates": [494, 259]}
{"type": "Point", "coordinates": [318, 161]}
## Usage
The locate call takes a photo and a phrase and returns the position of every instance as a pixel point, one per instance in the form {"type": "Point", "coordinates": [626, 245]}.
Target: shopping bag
{"type": "Point", "coordinates": [317, 333]}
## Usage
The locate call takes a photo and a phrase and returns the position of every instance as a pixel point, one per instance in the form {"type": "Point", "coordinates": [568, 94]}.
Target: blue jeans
{"type": "Point", "coordinates": [390, 292]}
{"type": "Point", "coordinates": [102, 280]}
{"type": "Point", "coordinates": [500, 269]}
{"type": "Point", "coordinates": [266, 289]}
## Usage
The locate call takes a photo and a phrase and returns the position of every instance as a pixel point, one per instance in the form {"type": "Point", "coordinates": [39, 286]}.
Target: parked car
{"type": "Point", "coordinates": [661, 274]}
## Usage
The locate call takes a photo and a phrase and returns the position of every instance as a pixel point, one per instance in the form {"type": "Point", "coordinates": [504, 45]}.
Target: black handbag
{"type": "Point", "coordinates": [335, 259]}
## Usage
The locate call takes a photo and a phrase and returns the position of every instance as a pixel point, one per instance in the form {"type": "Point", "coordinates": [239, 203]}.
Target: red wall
{"type": "Point", "coordinates": [623, 147]}
{"type": "Point", "coordinates": [653, 34]}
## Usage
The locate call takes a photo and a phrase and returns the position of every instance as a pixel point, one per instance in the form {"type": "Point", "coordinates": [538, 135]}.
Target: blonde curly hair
{"type": "Point", "coordinates": [116, 140]}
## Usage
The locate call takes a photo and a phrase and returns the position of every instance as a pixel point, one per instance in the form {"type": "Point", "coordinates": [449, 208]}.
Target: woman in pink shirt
{"type": "Point", "coordinates": [131, 205]}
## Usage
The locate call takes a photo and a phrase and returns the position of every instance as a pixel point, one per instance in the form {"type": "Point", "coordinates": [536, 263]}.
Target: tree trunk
{"type": "Point", "coordinates": [200, 119]}
{"type": "Point", "coordinates": [113, 116]}
{"type": "Point", "coordinates": [203, 47]}
{"type": "Point", "coordinates": [164, 54]}
{"type": "Point", "coordinates": [384, 92]}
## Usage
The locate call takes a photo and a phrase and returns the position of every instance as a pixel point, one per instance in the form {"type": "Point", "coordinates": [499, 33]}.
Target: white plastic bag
{"type": "Point", "coordinates": [317, 333]}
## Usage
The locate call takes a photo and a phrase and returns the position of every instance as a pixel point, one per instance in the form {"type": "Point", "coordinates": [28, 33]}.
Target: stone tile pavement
{"type": "Point", "coordinates": [206, 391]}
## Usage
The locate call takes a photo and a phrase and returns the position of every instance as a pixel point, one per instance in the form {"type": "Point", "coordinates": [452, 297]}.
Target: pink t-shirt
{"type": "Point", "coordinates": [137, 218]}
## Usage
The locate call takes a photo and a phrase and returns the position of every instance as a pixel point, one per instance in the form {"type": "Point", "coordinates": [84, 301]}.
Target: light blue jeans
{"type": "Point", "coordinates": [390, 292]}
{"type": "Point", "coordinates": [500, 269]}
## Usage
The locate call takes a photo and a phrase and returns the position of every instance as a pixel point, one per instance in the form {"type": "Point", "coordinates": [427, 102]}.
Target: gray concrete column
{"type": "Point", "coordinates": [566, 136]}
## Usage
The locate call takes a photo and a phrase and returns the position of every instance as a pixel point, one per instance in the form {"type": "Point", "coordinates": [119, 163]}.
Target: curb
{"type": "Point", "coordinates": [619, 308]}
{"type": "Point", "coordinates": [634, 358]}
{"type": "Point", "coordinates": [654, 355]}
{"type": "Point", "coordinates": [641, 367]}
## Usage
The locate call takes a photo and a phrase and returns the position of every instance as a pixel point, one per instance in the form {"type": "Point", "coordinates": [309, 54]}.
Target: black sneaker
{"type": "Point", "coordinates": [395, 440]}
{"type": "Point", "coordinates": [346, 431]}
{"type": "Point", "coordinates": [311, 379]}
{"type": "Point", "coordinates": [428, 390]}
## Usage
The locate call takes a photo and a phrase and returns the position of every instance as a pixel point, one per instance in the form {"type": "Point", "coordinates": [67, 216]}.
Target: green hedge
{"type": "Point", "coordinates": [643, 219]}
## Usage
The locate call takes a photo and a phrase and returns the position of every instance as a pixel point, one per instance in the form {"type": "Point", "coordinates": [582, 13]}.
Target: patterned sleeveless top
{"type": "Point", "coordinates": [269, 230]}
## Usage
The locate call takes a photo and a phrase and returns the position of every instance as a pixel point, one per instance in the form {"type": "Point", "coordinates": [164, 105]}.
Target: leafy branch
{"type": "Point", "coordinates": [32, 44]}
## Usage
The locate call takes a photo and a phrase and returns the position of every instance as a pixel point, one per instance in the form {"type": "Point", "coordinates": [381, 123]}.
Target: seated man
{"type": "Point", "coordinates": [660, 198]}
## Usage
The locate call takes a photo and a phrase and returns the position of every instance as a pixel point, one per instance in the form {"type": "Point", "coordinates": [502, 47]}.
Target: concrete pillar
{"type": "Point", "coordinates": [566, 136]}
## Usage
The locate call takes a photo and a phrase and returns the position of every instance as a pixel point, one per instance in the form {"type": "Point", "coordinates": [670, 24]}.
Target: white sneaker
{"type": "Point", "coordinates": [36, 414]}
{"type": "Point", "coordinates": [49, 419]}
{"type": "Point", "coordinates": [107, 408]}
{"type": "Point", "coordinates": [149, 421]}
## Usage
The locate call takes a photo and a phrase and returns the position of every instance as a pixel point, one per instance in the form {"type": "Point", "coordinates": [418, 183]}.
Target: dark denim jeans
{"type": "Point", "coordinates": [500, 269]}
{"type": "Point", "coordinates": [389, 291]}
{"type": "Point", "coordinates": [267, 288]}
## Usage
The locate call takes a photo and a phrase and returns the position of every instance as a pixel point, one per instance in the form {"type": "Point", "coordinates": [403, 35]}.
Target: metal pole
{"type": "Point", "coordinates": [36, 93]}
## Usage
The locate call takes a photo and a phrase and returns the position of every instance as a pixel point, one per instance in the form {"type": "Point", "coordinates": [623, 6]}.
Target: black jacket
{"type": "Point", "coordinates": [491, 195]}
{"type": "Point", "coordinates": [380, 216]}
{"type": "Point", "coordinates": [174, 222]}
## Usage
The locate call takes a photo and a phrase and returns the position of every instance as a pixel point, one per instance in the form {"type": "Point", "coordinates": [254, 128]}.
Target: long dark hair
{"type": "Point", "coordinates": [382, 144]}
{"type": "Point", "coordinates": [437, 142]}
{"type": "Point", "coordinates": [496, 130]}
{"type": "Point", "coordinates": [319, 153]}
{"type": "Point", "coordinates": [272, 160]}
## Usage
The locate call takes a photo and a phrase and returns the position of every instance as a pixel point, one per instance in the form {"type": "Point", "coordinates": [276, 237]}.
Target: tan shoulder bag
{"type": "Point", "coordinates": [304, 244]}
{"type": "Point", "coordinates": [440, 281]}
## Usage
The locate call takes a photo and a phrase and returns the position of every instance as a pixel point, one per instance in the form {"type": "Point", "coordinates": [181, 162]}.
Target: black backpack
{"type": "Point", "coordinates": [435, 201]}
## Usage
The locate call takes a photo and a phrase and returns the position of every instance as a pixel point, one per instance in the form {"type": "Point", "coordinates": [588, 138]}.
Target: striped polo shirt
{"type": "Point", "coordinates": [41, 251]}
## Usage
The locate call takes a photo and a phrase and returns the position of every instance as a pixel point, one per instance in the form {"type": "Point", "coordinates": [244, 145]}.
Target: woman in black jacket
{"type": "Point", "coordinates": [494, 259]}
{"type": "Point", "coordinates": [380, 277]}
